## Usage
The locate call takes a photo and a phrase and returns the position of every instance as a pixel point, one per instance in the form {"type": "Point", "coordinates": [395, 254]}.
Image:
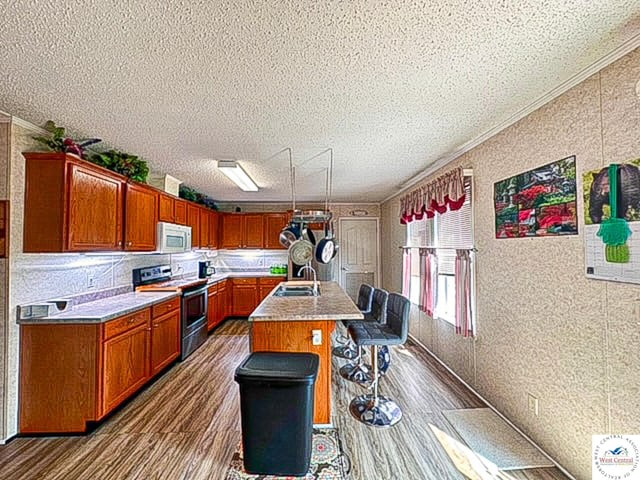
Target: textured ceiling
{"type": "Point", "coordinates": [391, 86]}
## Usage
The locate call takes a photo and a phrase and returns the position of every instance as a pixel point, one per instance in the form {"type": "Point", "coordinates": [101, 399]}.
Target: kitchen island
{"type": "Point", "coordinates": [304, 324]}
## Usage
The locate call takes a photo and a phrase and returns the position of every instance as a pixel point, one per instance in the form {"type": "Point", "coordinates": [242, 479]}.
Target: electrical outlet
{"type": "Point", "coordinates": [533, 405]}
{"type": "Point", "coordinates": [316, 337]}
{"type": "Point", "coordinates": [91, 281]}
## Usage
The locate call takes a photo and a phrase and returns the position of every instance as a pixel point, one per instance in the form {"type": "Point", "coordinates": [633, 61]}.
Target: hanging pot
{"type": "Point", "coordinates": [308, 233]}
{"type": "Point", "coordinates": [326, 248]}
{"type": "Point", "coordinates": [289, 234]}
{"type": "Point", "coordinates": [301, 252]}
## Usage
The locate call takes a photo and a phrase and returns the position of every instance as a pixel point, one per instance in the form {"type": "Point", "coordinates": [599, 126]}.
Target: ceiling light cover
{"type": "Point", "coordinates": [235, 172]}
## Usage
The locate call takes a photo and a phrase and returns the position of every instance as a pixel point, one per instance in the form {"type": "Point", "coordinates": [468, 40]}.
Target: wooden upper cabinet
{"type": "Point", "coordinates": [140, 218]}
{"type": "Point", "coordinates": [273, 225]}
{"type": "Point", "coordinates": [204, 228]}
{"type": "Point", "coordinates": [71, 205]}
{"type": "Point", "coordinates": [193, 221]}
{"type": "Point", "coordinates": [214, 220]}
{"type": "Point", "coordinates": [253, 230]}
{"type": "Point", "coordinates": [242, 230]}
{"type": "Point", "coordinates": [166, 208]}
{"type": "Point", "coordinates": [232, 227]}
{"type": "Point", "coordinates": [94, 210]}
{"type": "Point", "coordinates": [180, 211]}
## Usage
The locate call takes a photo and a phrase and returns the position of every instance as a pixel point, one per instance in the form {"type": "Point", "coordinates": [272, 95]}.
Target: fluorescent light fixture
{"type": "Point", "coordinates": [235, 172]}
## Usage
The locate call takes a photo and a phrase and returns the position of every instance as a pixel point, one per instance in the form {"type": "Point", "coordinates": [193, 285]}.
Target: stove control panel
{"type": "Point", "coordinates": [148, 275]}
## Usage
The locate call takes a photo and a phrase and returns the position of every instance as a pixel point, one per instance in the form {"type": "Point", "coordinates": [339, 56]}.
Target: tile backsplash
{"type": "Point", "coordinates": [39, 277]}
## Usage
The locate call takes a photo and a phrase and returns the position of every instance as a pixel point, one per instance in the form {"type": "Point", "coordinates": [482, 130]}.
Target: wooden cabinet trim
{"type": "Point", "coordinates": [165, 307]}
{"type": "Point", "coordinates": [121, 325]}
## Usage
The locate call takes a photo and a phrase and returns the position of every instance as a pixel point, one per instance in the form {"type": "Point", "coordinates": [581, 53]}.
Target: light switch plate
{"type": "Point", "coordinates": [316, 337]}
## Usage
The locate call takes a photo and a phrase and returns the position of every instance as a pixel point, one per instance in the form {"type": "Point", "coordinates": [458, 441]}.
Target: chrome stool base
{"type": "Point", "coordinates": [349, 351]}
{"type": "Point", "coordinates": [380, 411]}
{"type": "Point", "coordinates": [357, 373]}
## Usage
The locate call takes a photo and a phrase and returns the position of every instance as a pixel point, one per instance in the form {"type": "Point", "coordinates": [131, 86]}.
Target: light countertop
{"type": "Point", "coordinates": [332, 304]}
{"type": "Point", "coordinates": [104, 309]}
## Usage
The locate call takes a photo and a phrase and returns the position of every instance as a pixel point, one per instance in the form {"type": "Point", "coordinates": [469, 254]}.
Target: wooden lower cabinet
{"type": "Point", "coordinates": [71, 374]}
{"type": "Point", "coordinates": [245, 296]}
{"type": "Point", "coordinates": [213, 315]}
{"type": "Point", "coordinates": [266, 284]}
{"type": "Point", "coordinates": [125, 366]}
{"type": "Point", "coordinates": [165, 341]}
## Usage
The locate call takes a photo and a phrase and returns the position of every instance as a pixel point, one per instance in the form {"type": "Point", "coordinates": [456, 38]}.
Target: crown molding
{"type": "Point", "coordinates": [618, 53]}
{"type": "Point", "coordinates": [8, 118]}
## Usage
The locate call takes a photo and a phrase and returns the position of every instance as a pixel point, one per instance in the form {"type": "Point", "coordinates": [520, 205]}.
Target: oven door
{"type": "Point", "coordinates": [194, 308]}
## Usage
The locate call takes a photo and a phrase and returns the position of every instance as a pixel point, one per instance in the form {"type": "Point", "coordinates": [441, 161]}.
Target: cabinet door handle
{"type": "Point", "coordinates": [131, 320]}
{"type": "Point", "coordinates": [155, 325]}
{"type": "Point", "coordinates": [129, 244]}
{"type": "Point", "coordinates": [119, 243]}
{"type": "Point", "coordinates": [148, 329]}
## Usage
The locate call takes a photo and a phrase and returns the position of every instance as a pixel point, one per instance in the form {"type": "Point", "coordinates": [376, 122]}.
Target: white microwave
{"type": "Point", "coordinates": [173, 238]}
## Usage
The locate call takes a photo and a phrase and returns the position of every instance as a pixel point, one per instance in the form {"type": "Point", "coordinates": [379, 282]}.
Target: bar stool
{"type": "Point", "coordinates": [358, 371]}
{"type": "Point", "coordinates": [365, 299]}
{"type": "Point", "coordinates": [373, 409]}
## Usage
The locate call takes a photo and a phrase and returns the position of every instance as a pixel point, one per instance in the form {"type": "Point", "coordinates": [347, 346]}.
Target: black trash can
{"type": "Point", "coordinates": [276, 406]}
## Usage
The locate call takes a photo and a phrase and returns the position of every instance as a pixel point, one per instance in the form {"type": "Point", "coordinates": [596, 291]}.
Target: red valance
{"type": "Point", "coordinates": [444, 193]}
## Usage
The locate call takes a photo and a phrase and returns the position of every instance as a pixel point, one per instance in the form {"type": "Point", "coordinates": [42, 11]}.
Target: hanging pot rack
{"type": "Point", "coordinates": [312, 216]}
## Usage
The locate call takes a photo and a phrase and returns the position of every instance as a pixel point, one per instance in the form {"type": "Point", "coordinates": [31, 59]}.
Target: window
{"type": "Point", "coordinates": [446, 232]}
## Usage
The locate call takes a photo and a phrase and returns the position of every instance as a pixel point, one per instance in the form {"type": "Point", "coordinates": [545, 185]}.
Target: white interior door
{"type": "Point", "coordinates": [359, 254]}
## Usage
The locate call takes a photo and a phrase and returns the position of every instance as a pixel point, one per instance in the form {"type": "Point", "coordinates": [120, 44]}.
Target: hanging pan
{"type": "Point", "coordinates": [326, 248]}
{"type": "Point", "coordinates": [301, 251]}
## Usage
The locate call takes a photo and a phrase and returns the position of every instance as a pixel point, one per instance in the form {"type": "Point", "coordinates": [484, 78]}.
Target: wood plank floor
{"type": "Point", "coordinates": [186, 425]}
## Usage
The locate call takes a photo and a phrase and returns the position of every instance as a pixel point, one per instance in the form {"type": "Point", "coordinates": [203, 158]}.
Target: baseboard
{"type": "Point", "coordinates": [435, 357]}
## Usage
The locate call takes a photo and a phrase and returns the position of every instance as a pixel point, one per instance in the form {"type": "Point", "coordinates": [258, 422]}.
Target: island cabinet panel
{"type": "Point", "coordinates": [193, 221]}
{"type": "Point", "coordinates": [180, 211]}
{"type": "Point", "coordinates": [58, 365]}
{"type": "Point", "coordinates": [214, 220]}
{"type": "Point", "coordinates": [273, 225]}
{"type": "Point", "coordinates": [232, 228]}
{"type": "Point", "coordinates": [140, 218]}
{"type": "Point", "coordinates": [204, 228]}
{"type": "Point", "coordinates": [125, 364]}
{"type": "Point", "coordinates": [245, 296]}
{"type": "Point", "coordinates": [165, 340]}
{"type": "Point", "coordinates": [166, 208]}
{"type": "Point", "coordinates": [253, 231]}
{"type": "Point", "coordinates": [296, 336]}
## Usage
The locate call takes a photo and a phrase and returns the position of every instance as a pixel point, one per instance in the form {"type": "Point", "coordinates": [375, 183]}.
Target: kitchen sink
{"type": "Point", "coordinates": [296, 291]}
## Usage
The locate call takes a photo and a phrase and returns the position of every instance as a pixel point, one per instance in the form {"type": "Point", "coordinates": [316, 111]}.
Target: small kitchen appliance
{"type": "Point", "coordinates": [206, 269]}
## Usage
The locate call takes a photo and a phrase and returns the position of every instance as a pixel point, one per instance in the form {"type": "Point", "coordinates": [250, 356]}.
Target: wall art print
{"type": "Point", "coordinates": [540, 202]}
{"type": "Point", "coordinates": [616, 259]}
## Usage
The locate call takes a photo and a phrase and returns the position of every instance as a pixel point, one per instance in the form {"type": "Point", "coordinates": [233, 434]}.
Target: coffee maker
{"type": "Point", "coordinates": [205, 269]}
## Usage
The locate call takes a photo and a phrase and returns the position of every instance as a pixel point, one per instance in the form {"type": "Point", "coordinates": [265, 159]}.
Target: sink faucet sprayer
{"type": "Point", "coordinates": [315, 278]}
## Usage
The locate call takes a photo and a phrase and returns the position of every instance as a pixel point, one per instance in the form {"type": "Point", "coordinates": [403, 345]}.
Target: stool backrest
{"type": "Point", "coordinates": [398, 308]}
{"type": "Point", "coordinates": [379, 306]}
{"type": "Point", "coordinates": [365, 298]}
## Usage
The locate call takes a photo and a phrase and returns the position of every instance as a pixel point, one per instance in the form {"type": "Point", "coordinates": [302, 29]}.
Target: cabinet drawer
{"type": "Point", "coordinates": [270, 281]}
{"type": "Point", "coordinates": [213, 288]}
{"type": "Point", "coordinates": [126, 323]}
{"type": "Point", "coordinates": [165, 307]}
{"type": "Point", "coordinates": [245, 281]}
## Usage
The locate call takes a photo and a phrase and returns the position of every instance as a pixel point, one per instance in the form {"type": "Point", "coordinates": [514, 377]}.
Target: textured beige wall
{"type": "Point", "coordinates": [5, 152]}
{"type": "Point", "coordinates": [543, 327]}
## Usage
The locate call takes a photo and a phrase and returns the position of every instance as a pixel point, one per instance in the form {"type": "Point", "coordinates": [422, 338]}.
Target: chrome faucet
{"type": "Point", "coordinates": [315, 278]}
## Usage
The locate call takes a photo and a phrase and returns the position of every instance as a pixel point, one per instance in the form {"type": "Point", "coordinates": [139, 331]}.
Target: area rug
{"type": "Point", "coordinates": [328, 460]}
{"type": "Point", "coordinates": [493, 439]}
